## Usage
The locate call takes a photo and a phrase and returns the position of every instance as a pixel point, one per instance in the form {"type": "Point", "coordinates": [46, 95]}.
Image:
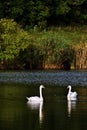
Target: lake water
{"type": "Point", "coordinates": [55, 113]}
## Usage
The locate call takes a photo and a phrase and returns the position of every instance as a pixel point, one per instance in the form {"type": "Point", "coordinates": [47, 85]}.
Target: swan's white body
{"type": "Point", "coordinates": [71, 95]}
{"type": "Point", "coordinates": [36, 98]}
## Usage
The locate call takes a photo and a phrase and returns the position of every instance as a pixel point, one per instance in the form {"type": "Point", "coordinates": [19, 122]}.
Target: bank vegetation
{"type": "Point", "coordinates": [57, 47]}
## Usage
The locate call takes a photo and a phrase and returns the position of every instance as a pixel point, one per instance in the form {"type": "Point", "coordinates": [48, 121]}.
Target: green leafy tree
{"type": "Point", "coordinates": [36, 13]}
{"type": "Point", "coordinates": [12, 39]}
{"type": "Point", "coordinates": [41, 12]}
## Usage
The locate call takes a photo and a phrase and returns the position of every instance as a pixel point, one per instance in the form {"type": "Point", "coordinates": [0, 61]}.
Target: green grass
{"type": "Point", "coordinates": [74, 35]}
{"type": "Point", "coordinates": [55, 39]}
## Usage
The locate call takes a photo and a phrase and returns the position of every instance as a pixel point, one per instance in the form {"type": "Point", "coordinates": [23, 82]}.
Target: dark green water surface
{"type": "Point", "coordinates": [56, 113]}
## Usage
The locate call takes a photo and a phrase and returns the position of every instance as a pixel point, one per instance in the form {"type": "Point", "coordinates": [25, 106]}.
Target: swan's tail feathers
{"type": "Point", "coordinates": [75, 93]}
{"type": "Point", "coordinates": [27, 98]}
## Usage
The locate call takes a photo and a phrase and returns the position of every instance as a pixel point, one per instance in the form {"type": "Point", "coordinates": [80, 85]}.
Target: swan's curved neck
{"type": "Point", "coordinates": [41, 93]}
{"type": "Point", "coordinates": [69, 89]}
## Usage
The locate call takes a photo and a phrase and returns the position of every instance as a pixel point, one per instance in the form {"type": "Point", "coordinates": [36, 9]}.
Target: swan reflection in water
{"type": "Point", "coordinates": [37, 106]}
{"type": "Point", "coordinates": [71, 104]}
{"type": "Point", "coordinates": [71, 100]}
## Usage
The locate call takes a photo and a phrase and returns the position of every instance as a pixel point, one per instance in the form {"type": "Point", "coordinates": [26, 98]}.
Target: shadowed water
{"type": "Point", "coordinates": [55, 113]}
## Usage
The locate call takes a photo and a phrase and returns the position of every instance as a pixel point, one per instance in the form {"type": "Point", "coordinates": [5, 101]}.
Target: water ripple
{"type": "Point", "coordinates": [54, 77]}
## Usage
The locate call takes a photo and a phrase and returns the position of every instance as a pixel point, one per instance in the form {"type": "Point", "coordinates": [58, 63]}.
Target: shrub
{"type": "Point", "coordinates": [12, 40]}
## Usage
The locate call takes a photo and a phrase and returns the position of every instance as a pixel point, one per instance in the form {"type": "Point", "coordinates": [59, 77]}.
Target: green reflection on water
{"type": "Point", "coordinates": [15, 113]}
{"type": "Point", "coordinates": [12, 108]}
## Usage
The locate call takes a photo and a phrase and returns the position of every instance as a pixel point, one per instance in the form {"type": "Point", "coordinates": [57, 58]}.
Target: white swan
{"type": "Point", "coordinates": [36, 98]}
{"type": "Point", "coordinates": [71, 95]}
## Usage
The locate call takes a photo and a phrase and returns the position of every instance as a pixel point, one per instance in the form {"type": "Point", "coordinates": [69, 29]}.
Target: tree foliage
{"type": "Point", "coordinates": [12, 39]}
{"type": "Point", "coordinates": [32, 57]}
{"type": "Point", "coordinates": [42, 12]}
{"type": "Point", "coordinates": [20, 49]}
